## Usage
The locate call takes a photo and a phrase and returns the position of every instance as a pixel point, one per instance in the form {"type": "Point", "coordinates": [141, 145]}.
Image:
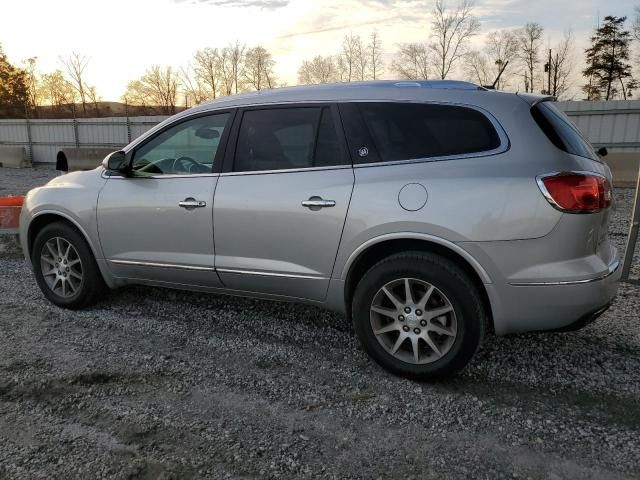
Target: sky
{"type": "Point", "coordinates": [122, 38]}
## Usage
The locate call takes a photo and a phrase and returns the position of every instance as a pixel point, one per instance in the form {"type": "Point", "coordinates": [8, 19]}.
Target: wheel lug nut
{"type": "Point", "coordinates": [418, 312]}
{"type": "Point", "coordinates": [423, 323]}
{"type": "Point", "coordinates": [407, 310]}
{"type": "Point", "coordinates": [401, 318]}
{"type": "Point", "coordinates": [405, 328]}
{"type": "Point", "coordinates": [416, 331]}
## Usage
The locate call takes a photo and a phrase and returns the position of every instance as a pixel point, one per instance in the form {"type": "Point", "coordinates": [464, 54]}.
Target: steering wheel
{"type": "Point", "coordinates": [184, 164]}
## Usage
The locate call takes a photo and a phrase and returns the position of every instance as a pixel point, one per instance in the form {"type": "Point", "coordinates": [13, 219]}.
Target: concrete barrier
{"type": "Point", "coordinates": [14, 157]}
{"type": "Point", "coordinates": [82, 158]}
{"type": "Point", "coordinates": [625, 168]}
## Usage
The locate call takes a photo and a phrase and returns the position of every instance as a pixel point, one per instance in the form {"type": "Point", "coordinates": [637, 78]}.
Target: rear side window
{"type": "Point", "coordinates": [561, 131]}
{"type": "Point", "coordinates": [404, 131]}
{"type": "Point", "coordinates": [286, 138]}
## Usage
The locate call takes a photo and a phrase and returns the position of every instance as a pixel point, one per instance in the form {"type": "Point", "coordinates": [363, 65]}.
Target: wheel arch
{"type": "Point", "coordinates": [373, 251]}
{"type": "Point", "coordinates": [46, 218]}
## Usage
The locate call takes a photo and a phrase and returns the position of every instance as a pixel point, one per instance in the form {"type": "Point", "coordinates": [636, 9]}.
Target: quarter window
{"type": "Point", "coordinates": [286, 138]}
{"type": "Point", "coordinates": [184, 149]}
{"type": "Point", "coordinates": [561, 131]}
{"type": "Point", "coordinates": [404, 131]}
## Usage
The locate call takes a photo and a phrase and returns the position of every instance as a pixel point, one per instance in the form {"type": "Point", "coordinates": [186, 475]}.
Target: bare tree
{"type": "Point", "coordinates": [451, 32]}
{"type": "Point", "coordinates": [75, 66]}
{"type": "Point", "coordinates": [318, 70]}
{"type": "Point", "coordinates": [502, 49]}
{"type": "Point", "coordinates": [158, 86]}
{"type": "Point", "coordinates": [33, 84]}
{"type": "Point", "coordinates": [362, 59]}
{"type": "Point", "coordinates": [258, 68]}
{"type": "Point", "coordinates": [55, 89]}
{"type": "Point", "coordinates": [529, 43]}
{"type": "Point", "coordinates": [490, 65]}
{"type": "Point", "coordinates": [193, 85]}
{"type": "Point", "coordinates": [478, 69]}
{"type": "Point", "coordinates": [342, 69]}
{"type": "Point", "coordinates": [231, 67]}
{"type": "Point", "coordinates": [562, 66]}
{"type": "Point", "coordinates": [374, 52]}
{"type": "Point", "coordinates": [635, 28]}
{"type": "Point", "coordinates": [412, 61]}
{"type": "Point", "coordinates": [349, 57]}
{"type": "Point", "coordinates": [207, 70]}
{"type": "Point", "coordinates": [94, 98]}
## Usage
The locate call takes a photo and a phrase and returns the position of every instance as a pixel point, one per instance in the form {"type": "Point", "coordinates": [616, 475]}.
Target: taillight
{"type": "Point", "coordinates": [576, 192]}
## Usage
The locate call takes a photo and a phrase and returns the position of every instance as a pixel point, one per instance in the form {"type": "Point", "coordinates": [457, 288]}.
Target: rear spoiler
{"type": "Point", "coordinates": [533, 99]}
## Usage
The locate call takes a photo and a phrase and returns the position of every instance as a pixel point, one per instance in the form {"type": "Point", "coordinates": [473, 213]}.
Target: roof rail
{"type": "Point", "coordinates": [439, 84]}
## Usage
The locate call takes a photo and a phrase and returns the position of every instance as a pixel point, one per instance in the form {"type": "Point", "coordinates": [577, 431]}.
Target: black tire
{"type": "Point", "coordinates": [449, 279]}
{"type": "Point", "coordinates": [90, 287]}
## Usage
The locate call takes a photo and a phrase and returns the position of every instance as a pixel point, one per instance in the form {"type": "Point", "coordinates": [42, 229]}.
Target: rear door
{"type": "Point", "coordinates": [280, 207]}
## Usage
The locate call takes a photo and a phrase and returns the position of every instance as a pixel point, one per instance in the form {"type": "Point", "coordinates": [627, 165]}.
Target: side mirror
{"type": "Point", "coordinates": [603, 152]}
{"type": "Point", "coordinates": [115, 162]}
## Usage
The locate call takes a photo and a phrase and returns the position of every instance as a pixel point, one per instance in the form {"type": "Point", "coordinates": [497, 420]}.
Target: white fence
{"type": "Point", "coordinates": [615, 125]}
{"type": "Point", "coordinates": [44, 138]}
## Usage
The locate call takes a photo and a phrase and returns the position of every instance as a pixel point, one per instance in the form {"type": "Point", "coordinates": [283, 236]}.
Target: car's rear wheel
{"type": "Point", "coordinates": [418, 315]}
{"type": "Point", "coordinates": [65, 268]}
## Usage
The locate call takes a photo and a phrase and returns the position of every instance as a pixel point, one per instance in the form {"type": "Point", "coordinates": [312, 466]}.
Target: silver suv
{"type": "Point", "coordinates": [427, 212]}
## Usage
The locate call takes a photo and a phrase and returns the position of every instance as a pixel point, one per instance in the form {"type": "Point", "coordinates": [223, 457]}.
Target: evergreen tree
{"type": "Point", "coordinates": [608, 70]}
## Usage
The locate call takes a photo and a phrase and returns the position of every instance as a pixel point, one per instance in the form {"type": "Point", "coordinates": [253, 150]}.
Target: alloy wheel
{"type": "Point", "coordinates": [413, 320]}
{"type": "Point", "coordinates": [61, 267]}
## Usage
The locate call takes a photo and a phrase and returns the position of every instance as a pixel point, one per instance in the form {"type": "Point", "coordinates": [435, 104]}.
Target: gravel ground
{"type": "Point", "coordinates": [154, 383]}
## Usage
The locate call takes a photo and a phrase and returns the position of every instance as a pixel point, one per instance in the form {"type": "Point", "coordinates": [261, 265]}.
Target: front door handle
{"type": "Point", "coordinates": [190, 203]}
{"type": "Point", "coordinates": [316, 203]}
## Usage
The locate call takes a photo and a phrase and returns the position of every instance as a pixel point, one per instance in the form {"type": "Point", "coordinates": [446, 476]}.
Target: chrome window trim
{"type": "Point", "coordinates": [287, 170]}
{"type": "Point", "coordinates": [106, 174]}
{"type": "Point", "coordinates": [550, 199]}
{"type": "Point", "coordinates": [270, 274]}
{"type": "Point", "coordinates": [464, 156]}
{"type": "Point", "coordinates": [162, 265]}
{"type": "Point", "coordinates": [610, 271]}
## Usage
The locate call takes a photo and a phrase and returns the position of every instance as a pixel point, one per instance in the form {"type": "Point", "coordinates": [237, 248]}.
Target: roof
{"type": "Point", "coordinates": [375, 90]}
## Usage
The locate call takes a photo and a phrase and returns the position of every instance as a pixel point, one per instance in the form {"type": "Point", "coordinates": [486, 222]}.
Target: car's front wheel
{"type": "Point", "coordinates": [418, 315]}
{"type": "Point", "coordinates": [65, 268]}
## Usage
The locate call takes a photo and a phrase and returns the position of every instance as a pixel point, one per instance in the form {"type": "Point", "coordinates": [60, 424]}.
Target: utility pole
{"type": "Point", "coordinates": [549, 75]}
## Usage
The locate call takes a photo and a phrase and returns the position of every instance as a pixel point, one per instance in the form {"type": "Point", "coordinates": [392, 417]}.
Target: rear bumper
{"type": "Point", "coordinates": [549, 306]}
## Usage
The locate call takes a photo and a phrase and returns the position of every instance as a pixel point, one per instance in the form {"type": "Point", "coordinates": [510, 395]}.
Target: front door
{"type": "Point", "coordinates": [157, 223]}
{"type": "Point", "coordinates": [280, 210]}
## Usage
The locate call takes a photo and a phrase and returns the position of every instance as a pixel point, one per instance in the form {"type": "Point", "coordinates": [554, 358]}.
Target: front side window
{"type": "Point", "coordinates": [405, 131]}
{"type": "Point", "coordinates": [287, 138]}
{"type": "Point", "coordinates": [184, 149]}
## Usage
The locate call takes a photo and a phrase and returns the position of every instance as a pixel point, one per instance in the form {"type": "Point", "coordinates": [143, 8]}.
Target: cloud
{"type": "Point", "coordinates": [360, 13]}
{"type": "Point", "coordinates": [265, 4]}
{"type": "Point", "coordinates": [323, 29]}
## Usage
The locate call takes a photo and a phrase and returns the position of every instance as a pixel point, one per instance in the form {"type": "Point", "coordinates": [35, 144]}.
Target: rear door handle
{"type": "Point", "coordinates": [316, 203]}
{"type": "Point", "coordinates": [190, 203]}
